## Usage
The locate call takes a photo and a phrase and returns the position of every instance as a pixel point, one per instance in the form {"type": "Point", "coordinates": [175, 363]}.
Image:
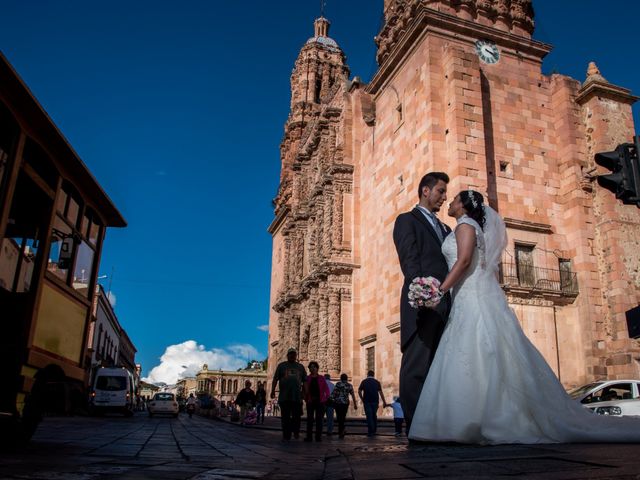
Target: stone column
{"type": "Point", "coordinates": [295, 332]}
{"type": "Point", "coordinates": [303, 353]}
{"type": "Point", "coordinates": [333, 333]}
{"type": "Point", "coordinates": [313, 322]}
{"type": "Point", "coordinates": [287, 334]}
{"type": "Point", "coordinates": [337, 223]}
{"type": "Point", "coordinates": [323, 312]}
{"type": "Point", "coordinates": [328, 224]}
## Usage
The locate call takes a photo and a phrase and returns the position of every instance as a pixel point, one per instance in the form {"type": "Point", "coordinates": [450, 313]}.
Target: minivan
{"type": "Point", "coordinates": [113, 391]}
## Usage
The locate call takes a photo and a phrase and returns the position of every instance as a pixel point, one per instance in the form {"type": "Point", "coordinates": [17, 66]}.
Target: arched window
{"type": "Point", "coordinates": [223, 388]}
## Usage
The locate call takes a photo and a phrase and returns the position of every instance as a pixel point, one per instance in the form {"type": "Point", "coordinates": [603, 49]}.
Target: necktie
{"type": "Point", "coordinates": [436, 226]}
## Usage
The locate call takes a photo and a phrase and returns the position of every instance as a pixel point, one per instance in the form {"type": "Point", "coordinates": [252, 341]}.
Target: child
{"type": "Point", "coordinates": [398, 415]}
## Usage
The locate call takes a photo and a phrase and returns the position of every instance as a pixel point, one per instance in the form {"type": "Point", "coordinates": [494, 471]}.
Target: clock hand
{"type": "Point", "coordinates": [489, 52]}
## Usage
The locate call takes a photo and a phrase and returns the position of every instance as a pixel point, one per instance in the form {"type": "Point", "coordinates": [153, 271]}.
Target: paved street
{"type": "Point", "coordinates": [79, 448]}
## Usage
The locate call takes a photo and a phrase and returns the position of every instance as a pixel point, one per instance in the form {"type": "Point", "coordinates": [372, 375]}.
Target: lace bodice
{"type": "Point", "coordinates": [450, 252]}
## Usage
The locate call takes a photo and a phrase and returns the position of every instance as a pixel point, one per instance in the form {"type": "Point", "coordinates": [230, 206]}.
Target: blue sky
{"type": "Point", "coordinates": [178, 111]}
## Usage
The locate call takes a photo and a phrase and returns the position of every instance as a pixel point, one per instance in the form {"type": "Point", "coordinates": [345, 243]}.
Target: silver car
{"type": "Point", "coordinates": [163, 403]}
{"type": "Point", "coordinates": [613, 397]}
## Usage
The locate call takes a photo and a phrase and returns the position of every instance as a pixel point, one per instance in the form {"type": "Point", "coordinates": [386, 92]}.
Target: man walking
{"type": "Point", "coordinates": [368, 392]}
{"type": "Point", "coordinates": [261, 401]}
{"type": "Point", "coordinates": [418, 237]}
{"type": "Point", "coordinates": [329, 408]}
{"type": "Point", "coordinates": [291, 375]}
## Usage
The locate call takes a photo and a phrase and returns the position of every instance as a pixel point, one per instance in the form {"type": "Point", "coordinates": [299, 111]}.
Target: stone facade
{"type": "Point", "coordinates": [353, 155]}
{"type": "Point", "coordinates": [224, 385]}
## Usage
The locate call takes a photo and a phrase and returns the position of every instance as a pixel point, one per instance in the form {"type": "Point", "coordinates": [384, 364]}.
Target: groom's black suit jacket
{"type": "Point", "coordinates": [419, 251]}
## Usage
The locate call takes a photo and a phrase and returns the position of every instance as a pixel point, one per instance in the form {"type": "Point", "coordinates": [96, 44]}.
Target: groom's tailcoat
{"type": "Point", "coordinates": [420, 255]}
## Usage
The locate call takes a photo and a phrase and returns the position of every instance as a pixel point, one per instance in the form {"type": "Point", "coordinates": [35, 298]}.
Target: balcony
{"type": "Point", "coordinates": [558, 286]}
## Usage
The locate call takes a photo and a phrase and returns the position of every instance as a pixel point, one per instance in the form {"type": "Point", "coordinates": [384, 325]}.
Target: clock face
{"type": "Point", "coordinates": [487, 51]}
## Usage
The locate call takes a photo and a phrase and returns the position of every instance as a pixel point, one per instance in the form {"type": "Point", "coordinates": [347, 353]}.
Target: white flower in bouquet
{"type": "Point", "coordinates": [424, 292]}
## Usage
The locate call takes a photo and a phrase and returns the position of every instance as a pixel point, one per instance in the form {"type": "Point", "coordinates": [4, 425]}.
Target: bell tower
{"type": "Point", "coordinates": [319, 69]}
{"type": "Point", "coordinates": [319, 66]}
{"type": "Point", "coordinates": [312, 256]}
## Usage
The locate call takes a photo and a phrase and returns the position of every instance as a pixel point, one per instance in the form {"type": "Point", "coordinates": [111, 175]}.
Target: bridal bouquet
{"type": "Point", "coordinates": [424, 292]}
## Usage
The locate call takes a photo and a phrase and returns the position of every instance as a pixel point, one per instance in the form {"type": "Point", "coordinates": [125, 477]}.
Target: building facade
{"type": "Point", "coordinates": [104, 333]}
{"type": "Point", "coordinates": [108, 343]}
{"type": "Point", "coordinates": [459, 89]}
{"type": "Point", "coordinates": [186, 386]}
{"type": "Point", "coordinates": [224, 385]}
{"type": "Point", "coordinates": [127, 355]}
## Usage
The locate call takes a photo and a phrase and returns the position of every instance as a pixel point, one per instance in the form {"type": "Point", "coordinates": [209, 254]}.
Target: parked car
{"type": "Point", "coordinates": [613, 397]}
{"type": "Point", "coordinates": [163, 403]}
{"type": "Point", "coordinates": [113, 390]}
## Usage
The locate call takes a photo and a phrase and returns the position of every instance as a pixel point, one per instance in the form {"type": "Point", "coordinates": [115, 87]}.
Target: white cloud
{"type": "Point", "coordinates": [186, 359]}
{"type": "Point", "coordinates": [264, 328]}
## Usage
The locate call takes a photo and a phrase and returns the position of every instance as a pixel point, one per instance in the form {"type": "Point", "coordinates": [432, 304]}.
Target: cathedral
{"type": "Point", "coordinates": [459, 89]}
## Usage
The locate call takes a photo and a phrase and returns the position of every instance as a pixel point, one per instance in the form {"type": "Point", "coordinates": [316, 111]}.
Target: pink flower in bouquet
{"type": "Point", "coordinates": [424, 292]}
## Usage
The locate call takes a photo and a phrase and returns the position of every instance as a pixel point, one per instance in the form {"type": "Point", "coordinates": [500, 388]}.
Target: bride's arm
{"type": "Point", "coordinates": [466, 240]}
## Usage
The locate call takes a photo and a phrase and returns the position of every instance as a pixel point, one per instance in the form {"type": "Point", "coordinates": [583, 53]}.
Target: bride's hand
{"type": "Point", "coordinates": [441, 294]}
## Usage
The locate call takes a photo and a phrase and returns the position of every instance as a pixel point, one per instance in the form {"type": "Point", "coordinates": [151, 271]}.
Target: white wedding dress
{"type": "Point", "coordinates": [488, 384]}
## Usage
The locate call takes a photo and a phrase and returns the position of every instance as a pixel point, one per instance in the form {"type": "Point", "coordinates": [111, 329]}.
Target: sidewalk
{"type": "Point", "coordinates": [353, 425]}
{"type": "Point", "coordinates": [199, 448]}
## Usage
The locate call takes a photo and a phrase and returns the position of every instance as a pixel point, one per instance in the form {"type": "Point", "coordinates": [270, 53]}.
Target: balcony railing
{"type": "Point", "coordinates": [535, 279]}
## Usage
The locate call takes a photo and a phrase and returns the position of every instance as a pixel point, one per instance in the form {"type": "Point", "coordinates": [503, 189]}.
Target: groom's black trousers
{"type": "Point", "coordinates": [417, 356]}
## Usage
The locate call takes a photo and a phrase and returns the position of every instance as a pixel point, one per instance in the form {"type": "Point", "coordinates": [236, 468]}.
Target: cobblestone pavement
{"type": "Point", "coordinates": [79, 448]}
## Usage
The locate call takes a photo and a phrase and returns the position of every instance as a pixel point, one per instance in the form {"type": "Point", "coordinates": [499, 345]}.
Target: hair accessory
{"type": "Point", "coordinates": [472, 197]}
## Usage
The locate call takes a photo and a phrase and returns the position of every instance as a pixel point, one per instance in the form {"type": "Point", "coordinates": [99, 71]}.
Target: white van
{"type": "Point", "coordinates": [113, 391]}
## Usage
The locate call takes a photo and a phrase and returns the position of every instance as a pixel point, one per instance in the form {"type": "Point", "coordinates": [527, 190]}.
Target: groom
{"type": "Point", "coordinates": [418, 236]}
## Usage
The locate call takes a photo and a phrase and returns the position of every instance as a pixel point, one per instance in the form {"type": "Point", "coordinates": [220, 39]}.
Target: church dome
{"type": "Point", "coordinates": [326, 41]}
{"type": "Point", "coordinates": [321, 37]}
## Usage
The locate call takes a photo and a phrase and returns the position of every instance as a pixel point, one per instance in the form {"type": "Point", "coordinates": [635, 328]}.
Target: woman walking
{"type": "Point", "coordinates": [316, 394]}
{"type": "Point", "coordinates": [340, 399]}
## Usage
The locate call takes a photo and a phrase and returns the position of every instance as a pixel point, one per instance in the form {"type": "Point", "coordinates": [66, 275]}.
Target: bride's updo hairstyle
{"type": "Point", "coordinates": [473, 203]}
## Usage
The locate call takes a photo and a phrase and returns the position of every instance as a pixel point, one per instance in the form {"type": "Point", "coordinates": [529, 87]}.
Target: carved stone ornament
{"type": "Point", "coordinates": [399, 15]}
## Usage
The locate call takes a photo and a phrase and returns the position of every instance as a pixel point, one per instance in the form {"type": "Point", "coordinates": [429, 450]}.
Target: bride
{"type": "Point", "coordinates": [488, 384]}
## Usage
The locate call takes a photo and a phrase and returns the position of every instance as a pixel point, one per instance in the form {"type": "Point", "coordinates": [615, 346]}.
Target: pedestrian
{"type": "Point", "coordinates": [368, 391]}
{"type": "Point", "coordinates": [291, 375]}
{"type": "Point", "coordinates": [269, 410]}
{"type": "Point", "coordinates": [191, 404]}
{"type": "Point", "coordinates": [340, 399]}
{"type": "Point", "coordinates": [246, 399]}
{"type": "Point", "coordinates": [261, 400]}
{"type": "Point", "coordinates": [316, 394]}
{"type": "Point", "coordinates": [398, 415]}
{"type": "Point", "coordinates": [329, 405]}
